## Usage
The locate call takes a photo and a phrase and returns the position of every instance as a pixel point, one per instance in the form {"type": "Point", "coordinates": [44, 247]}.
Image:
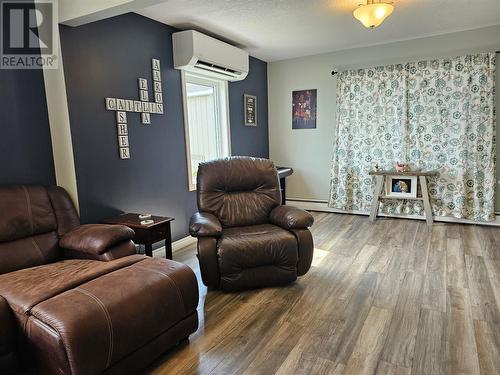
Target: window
{"type": "Point", "coordinates": [206, 121]}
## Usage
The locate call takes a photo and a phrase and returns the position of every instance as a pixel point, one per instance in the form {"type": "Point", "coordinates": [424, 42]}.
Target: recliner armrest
{"type": "Point", "coordinates": [203, 224]}
{"type": "Point", "coordinates": [95, 239]}
{"type": "Point", "coordinates": [288, 217]}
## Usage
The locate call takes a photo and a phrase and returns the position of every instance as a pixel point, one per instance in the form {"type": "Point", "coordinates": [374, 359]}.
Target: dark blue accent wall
{"type": "Point", "coordinates": [26, 149]}
{"type": "Point", "coordinates": [250, 140]}
{"type": "Point", "coordinates": [104, 59]}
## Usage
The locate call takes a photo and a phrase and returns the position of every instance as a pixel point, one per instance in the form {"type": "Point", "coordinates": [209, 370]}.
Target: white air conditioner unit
{"type": "Point", "coordinates": [199, 53]}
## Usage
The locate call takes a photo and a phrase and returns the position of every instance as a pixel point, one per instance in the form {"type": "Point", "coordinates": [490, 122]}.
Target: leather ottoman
{"type": "Point", "coordinates": [105, 314]}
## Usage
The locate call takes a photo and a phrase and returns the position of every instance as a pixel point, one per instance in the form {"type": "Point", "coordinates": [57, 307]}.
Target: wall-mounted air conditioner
{"type": "Point", "coordinates": [199, 53]}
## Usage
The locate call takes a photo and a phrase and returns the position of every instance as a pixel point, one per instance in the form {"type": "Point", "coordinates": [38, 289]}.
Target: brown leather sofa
{"type": "Point", "coordinates": [76, 299]}
{"type": "Point", "coordinates": [246, 238]}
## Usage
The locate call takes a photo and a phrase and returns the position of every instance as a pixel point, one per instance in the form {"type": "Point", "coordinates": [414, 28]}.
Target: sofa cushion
{"type": "Point", "coordinates": [25, 288]}
{"type": "Point", "coordinates": [27, 228]}
{"type": "Point", "coordinates": [29, 252]}
{"type": "Point", "coordinates": [64, 209]}
{"type": "Point", "coordinates": [102, 321]}
{"type": "Point", "coordinates": [255, 256]}
{"type": "Point", "coordinates": [26, 210]}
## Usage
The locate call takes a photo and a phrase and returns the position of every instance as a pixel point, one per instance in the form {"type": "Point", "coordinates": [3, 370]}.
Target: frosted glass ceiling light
{"type": "Point", "coordinates": [372, 14]}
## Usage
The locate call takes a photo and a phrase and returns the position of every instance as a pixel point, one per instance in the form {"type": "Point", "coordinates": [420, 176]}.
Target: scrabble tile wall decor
{"type": "Point", "coordinates": [121, 117]}
{"type": "Point", "coordinates": [144, 95]}
{"type": "Point", "coordinates": [122, 129]}
{"type": "Point", "coordinates": [146, 118]}
{"type": "Point", "coordinates": [143, 84]}
{"type": "Point", "coordinates": [142, 106]}
{"type": "Point", "coordinates": [155, 64]}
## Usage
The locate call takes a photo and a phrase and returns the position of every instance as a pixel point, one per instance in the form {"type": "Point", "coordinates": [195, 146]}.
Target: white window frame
{"type": "Point", "coordinates": [222, 115]}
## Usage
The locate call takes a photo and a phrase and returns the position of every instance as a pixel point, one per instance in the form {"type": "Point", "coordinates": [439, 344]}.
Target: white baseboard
{"type": "Point", "coordinates": [322, 206]}
{"type": "Point", "coordinates": [182, 243]}
{"type": "Point", "coordinates": [176, 246]}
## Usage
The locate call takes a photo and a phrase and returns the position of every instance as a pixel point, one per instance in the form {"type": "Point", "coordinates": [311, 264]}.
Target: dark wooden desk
{"type": "Point", "coordinates": [147, 235]}
{"type": "Point", "coordinates": [283, 173]}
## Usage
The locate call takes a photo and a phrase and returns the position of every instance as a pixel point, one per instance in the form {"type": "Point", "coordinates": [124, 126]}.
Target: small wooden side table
{"type": "Point", "coordinates": [379, 191]}
{"type": "Point", "coordinates": [148, 234]}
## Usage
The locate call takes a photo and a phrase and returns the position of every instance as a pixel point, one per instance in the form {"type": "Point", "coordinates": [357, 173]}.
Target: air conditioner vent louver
{"type": "Point", "coordinates": [198, 53]}
{"type": "Point", "coordinates": [217, 68]}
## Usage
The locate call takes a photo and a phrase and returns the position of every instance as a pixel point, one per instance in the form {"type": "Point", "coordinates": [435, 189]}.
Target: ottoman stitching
{"type": "Point", "coordinates": [108, 319]}
{"type": "Point", "coordinates": [179, 294]}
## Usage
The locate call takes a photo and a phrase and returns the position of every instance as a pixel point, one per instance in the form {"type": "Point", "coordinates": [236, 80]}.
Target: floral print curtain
{"type": "Point", "coordinates": [433, 115]}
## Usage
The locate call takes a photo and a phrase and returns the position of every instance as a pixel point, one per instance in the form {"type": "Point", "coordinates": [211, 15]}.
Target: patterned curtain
{"type": "Point", "coordinates": [433, 115]}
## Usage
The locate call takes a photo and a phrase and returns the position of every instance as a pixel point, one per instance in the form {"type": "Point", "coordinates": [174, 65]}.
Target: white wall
{"type": "Point", "coordinates": [309, 152]}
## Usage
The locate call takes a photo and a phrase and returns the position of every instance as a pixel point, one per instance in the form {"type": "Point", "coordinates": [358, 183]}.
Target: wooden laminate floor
{"type": "Point", "coordinates": [390, 297]}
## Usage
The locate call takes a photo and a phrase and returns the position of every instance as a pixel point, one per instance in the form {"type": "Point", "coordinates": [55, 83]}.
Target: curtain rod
{"type": "Point", "coordinates": [336, 72]}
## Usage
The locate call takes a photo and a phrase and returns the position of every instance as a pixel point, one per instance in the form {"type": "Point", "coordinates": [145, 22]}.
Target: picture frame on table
{"type": "Point", "coordinates": [401, 186]}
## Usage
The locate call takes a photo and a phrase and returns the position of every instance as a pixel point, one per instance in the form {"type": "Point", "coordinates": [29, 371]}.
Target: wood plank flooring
{"type": "Point", "coordinates": [389, 297]}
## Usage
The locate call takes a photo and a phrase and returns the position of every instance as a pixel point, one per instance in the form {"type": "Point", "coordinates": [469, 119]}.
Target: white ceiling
{"type": "Point", "coordinates": [281, 29]}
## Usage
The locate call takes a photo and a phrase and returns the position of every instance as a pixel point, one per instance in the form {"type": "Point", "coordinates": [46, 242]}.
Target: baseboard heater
{"type": "Point", "coordinates": [322, 206]}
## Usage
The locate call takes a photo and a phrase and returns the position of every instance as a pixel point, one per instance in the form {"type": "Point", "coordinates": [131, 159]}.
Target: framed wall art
{"type": "Point", "coordinates": [304, 109]}
{"type": "Point", "coordinates": [250, 109]}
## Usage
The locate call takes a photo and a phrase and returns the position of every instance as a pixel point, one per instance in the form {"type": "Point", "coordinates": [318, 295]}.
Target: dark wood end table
{"type": "Point", "coordinates": [147, 234]}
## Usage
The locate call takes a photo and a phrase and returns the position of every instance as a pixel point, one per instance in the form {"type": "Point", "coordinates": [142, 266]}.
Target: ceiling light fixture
{"type": "Point", "coordinates": [373, 13]}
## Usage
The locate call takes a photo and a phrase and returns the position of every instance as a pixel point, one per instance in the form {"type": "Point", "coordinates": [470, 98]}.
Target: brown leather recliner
{"type": "Point", "coordinates": [76, 299]}
{"type": "Point", "coordinates": [246, 238]}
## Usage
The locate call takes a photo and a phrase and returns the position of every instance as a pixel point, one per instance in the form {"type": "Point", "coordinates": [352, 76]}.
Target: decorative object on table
{"type": "Point", "coordinates": [147, 234]}
{"type": "Point", "coordinates": [373, 13]}
{"type": "Point", "coordinates": [401, 167]}
{"type": "Point", "coordinates": [304, 109]}
{"type": "Point", "coordinates": [142, 106]}
{"type": "Point", "coordinates": [250, 109]}
{"type": "Point", "coordinates": [402, 185]}
{"type": "Point", "coordinates": [144, 216]}
{"type": "Point", "coordinates": [147, 222]}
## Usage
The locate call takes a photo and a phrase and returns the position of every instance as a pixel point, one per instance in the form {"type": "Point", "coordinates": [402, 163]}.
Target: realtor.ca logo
{"type": "Point", "coordinates": [28, 35]}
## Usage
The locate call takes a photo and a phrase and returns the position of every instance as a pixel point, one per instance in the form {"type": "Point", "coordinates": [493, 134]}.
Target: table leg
{"type": "Point", "coordinates": [168, 243]}
{"type": "Point", "coordinates": [427, 203]}
{"type": "Point", "coordinates": [376, 197]}
{"type": "Point", "coordinates": [283, 190]}
{"type": "Point", "coordinates": [148, 249]}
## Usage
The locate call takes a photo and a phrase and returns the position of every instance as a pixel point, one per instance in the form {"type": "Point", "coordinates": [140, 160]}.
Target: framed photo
{"type": "Point", "coordinates": [401, 186]}
{"type": "Point", "coordinates": [304, 109]}
{"type": "Point", "coordinates": [250, 109]}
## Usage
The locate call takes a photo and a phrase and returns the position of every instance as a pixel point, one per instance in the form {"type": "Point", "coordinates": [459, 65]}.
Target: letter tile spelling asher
{"type": "Point", "coordinates": [142, 106]}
